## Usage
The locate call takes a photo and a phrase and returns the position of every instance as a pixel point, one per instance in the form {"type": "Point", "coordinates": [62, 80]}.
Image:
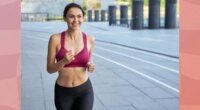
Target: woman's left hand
{"type": "Point", "coordinates": [90, 67]}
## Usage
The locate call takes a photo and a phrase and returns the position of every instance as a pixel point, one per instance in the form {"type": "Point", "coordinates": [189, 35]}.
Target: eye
{"type": "Point", "coordinates": [71, 16]}
{"type": "Point", "coordinates": [79, 16]}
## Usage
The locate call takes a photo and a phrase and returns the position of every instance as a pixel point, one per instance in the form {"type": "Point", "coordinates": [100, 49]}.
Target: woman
{"type": "Point", "coordinates": [72, 50]}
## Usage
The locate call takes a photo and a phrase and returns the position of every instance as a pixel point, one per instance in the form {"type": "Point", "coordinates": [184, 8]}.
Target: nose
{"type": "Point", "coordinates": [75, 19]}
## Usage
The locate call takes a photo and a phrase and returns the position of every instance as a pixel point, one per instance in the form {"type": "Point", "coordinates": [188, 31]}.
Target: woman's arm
{"type": "Point", "coordinates": [51, 55]}
{"type": "Point", "coordinates": [91, 46]}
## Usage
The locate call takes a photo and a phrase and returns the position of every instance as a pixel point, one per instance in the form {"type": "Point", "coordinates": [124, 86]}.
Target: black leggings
{"type": "Point", "coordinates": [74, 98]}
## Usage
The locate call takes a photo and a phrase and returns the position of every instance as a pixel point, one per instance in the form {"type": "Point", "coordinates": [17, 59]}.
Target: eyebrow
{"type": "Point", "coordinates": [76, 15]}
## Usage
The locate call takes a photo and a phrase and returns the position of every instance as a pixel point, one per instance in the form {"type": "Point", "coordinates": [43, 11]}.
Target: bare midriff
{"type": "Point", "coordinates": [72, 76]}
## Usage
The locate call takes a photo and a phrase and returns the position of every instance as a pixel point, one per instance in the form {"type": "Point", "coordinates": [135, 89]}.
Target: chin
{"type": "Point", "coordinates": [75, 28]}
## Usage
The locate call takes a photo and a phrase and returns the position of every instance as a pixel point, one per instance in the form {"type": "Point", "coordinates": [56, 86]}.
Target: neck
{"type": "Point", "coordinates": [73, 34]}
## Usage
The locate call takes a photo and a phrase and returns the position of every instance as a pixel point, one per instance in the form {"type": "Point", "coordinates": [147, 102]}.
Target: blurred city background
{"type": "Point", "coordinates": [136, 52]}
{"type": "Point", "coordinates": [98, 10]}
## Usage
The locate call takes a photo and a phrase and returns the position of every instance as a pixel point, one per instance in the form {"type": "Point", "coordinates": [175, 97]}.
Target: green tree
{"type": "Point", "coordinates": [98, 5]}
{"type": "Point", "coordinates": [84, 5]}
{"type": "Point", "coordinates": [71, 1]}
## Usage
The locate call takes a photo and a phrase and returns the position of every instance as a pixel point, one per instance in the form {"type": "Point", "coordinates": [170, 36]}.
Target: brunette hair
{"type": "Point", "coordinates": [72, 5]}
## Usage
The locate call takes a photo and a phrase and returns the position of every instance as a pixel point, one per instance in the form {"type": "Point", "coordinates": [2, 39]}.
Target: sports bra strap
{"type": "Point", "coordinates": [62, 39]}
{"type": "Point", "coordinates": [85, 40]}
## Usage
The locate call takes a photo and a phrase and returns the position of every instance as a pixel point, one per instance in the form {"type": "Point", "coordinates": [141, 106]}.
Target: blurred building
{"type": "Point", "coordinates": [56, 7]}
{"type": "Point", "coordinates": [52, 7]}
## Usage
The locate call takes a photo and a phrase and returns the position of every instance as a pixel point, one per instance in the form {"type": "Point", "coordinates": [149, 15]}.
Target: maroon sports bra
{"type": "Point", "coordinates": [81, 58]}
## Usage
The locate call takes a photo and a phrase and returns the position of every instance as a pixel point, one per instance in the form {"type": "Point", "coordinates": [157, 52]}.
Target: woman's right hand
{"type": "Point", "coordinates": [68, 57]}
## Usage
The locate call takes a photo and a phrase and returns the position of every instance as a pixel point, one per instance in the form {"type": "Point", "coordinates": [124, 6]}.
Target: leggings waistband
{"type": "Point", "coordinates": [84, 85]}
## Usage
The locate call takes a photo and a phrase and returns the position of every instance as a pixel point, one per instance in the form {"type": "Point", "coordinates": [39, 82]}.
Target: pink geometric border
{"type": "Point", "coordinates": [189, 55]}
{"type": "Point", "coordinates": [10, 59]}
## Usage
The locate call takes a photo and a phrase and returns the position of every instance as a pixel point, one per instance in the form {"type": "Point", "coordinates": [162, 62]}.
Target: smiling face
{"type": "Point", "coordinates": [74, 18]}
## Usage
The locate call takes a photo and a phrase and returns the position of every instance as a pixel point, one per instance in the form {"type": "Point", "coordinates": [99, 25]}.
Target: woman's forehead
{"type": "Point", "coordinates": [75, 11]}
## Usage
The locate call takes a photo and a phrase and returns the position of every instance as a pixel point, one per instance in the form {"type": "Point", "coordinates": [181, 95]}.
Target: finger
{"type": "Point", "coordinates": [88, 64]}
{"type": "Point", "coordinates": [69, 52]}
{"type": "Point", "coordinates": [91, 69]}
{"type": "Point", "coordinates": [91, 63]}
{"type": "Point", "coordinates": [92, 66]}
{"type": "Point", "coordinates": [71, 58]}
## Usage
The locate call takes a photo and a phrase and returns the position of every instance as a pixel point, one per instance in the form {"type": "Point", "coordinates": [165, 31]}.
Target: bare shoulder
{"type": "Point", "coordinates": [55, 38]}
{"type": "Point", "coordinates": [91, 39]}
